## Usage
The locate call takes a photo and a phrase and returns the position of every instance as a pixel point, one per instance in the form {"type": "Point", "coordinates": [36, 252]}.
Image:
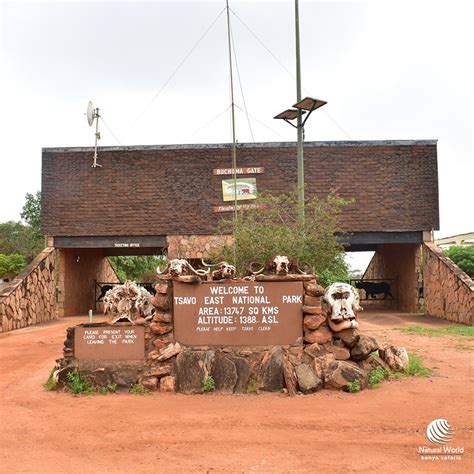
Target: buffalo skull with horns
{"type": "Point", "coordinates": [224, 271]}
{"type": "Point", "coordinates": [279, 265]}
{"type": "Point", "coordinates": [178, 267]}
{"type": "Point", "coordinates": [342, 303]}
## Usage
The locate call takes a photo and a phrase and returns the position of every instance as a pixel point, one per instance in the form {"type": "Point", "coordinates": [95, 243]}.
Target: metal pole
{"type": "Point", "coordinates": [300, 157]}
{"type": "Point", "coordinates": [234, 151]}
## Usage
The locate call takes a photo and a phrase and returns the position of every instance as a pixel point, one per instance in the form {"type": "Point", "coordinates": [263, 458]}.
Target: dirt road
{"type": "Point", "coordinates": [375, 430]}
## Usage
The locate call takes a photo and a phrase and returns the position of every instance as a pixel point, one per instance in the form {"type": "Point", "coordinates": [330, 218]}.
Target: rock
{"type": "Point", "coordinates": [289, 376]}
{"type": "Point", "coordinates": [125, 375]}
{"type": "Point", "coordinates": [340, 353]}
{"type": "Point", "coordinates": [313, 322]}
{"type": "Point", "coordinates": [150, 383]}
{"type": "Point", "coordinates": [312, 300]}
{"type": "Point", "coordinates": [320, 336]}
{"type": "Point", "coordinates": [169, 351]}
{"type": "Point", "coordinates": [160, 342]}
{"type": "Point", "coordinates": [140, 321]}
{"type": "Point", "coordinates": [315, 350]}
{"type": "Point", "coordinates": [373, 362]}
{"type": "Point", "coordinates": [243, 373]}
{"type": "Point", "coordinates": [168, 384]}
{"type": "Point", "coordinates": [161, 288]}
{"type": "Point", "coordinates": [395, 357]}
{"type": "Point", "coordinates": [224, 373]}
{"type": "Point", "coordinates": [312, 309]}
{"type": "Point", "coordinates": [160, 317]}
{"type": "Point", "coordinates": [158, 370]}
{"type": "Point", "coordinates": [161, 328]}
{"type": "Point", "coordinates": [308, 381]}
{"type": "Point", "coordinates": [322, 363]}
{"type": "Point", "coordinates": [161, 302]}
{"type": "Point", "coordinates": [364, 348]}
{"type": "Point", "coordinates": [340, 373]}
{"type": "Point", "coordinates": [313, 289]}
{"type": "Point", "coordinates": [271, 372]}
{"type": "Point", "coordinates": [192, 369]}
{"type": "Point", "coordinates": [350, 337]}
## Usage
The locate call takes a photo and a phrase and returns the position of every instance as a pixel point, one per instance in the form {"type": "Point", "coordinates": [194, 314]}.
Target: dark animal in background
{"type": "Point", "coordinates": [150, 288]}
{"type": "Point", "coordinates": [372, 289]}
{"type": "Point", "coordinates": [103, 291]}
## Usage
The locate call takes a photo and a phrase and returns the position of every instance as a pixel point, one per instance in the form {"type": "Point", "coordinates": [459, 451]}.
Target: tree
{"type": "Point", "coordinates": [273, 228]}
{"type": "Point", "coordinates": [11, 265]}
{"type": "Point", "coordinates": [17, 238]}
{"type": "Point", "coordinates": [463, 257]}
{"type": "Point", "coordinates": [31, 213]}
{"type": "Point", "coordinates": [138, 268]}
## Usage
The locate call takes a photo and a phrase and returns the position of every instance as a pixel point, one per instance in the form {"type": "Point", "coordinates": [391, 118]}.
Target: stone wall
{"type": "Point", "coordinates": [79, 269]}
{"type": "Point", "coordinates": [31, 297]}
{"type": "Point", "coordinates": [399, 262]}
{"type": "Point", "coordinates": [196, 246]}
{"type": "Point", "coordinates": [322, 359]}
{"type": "Point", "coordinates": [448, 291]}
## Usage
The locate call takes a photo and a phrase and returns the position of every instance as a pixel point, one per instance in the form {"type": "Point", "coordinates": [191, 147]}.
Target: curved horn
{"type": "Point", "coordinates": [158, 269]}
{"type": "Point", "coordinates": [196, 272]}
{"type": "Point", "coordinates": [257, 272]}
{"type": "Point", "coordinates": [328, 296]}
{"type": "Point", "coordinates": [308, 268]}
{"type": "Point", "coordinates": [208, 264]}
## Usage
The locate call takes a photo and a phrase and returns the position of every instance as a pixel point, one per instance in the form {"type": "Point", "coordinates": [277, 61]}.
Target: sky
{"type": "Point", "coordinates": [159, 73]}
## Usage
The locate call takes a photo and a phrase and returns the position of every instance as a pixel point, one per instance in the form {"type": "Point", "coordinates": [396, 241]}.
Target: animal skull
{"type": "Point", "coordinates": [224, 271]}
{"type": "Point", "coordinates": [281, 264]}
{"type": "Point", "coordinates": [342, 300]}
{"type": "Point", "coordinates": [128, 301]}
{"type": "Point", "coordinates": [179, 266]}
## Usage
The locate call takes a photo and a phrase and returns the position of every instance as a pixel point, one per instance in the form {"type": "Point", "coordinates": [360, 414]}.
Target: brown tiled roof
{"type": "Point", "coordinates": [165, 190]}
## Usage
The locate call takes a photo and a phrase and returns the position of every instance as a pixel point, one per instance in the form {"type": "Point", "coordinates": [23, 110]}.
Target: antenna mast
{"type": "Point", "coordinates": [234, 150]}
{"type": "Point", "coordinates": [93, 114]}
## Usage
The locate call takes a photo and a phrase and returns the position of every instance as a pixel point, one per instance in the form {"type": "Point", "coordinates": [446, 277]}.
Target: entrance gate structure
{"type": "Point", "coordinates": [146, 200]}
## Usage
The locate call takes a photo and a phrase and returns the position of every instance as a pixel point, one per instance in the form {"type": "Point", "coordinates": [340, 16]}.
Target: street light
{"type": "Point", "coordinates": [306, 105]}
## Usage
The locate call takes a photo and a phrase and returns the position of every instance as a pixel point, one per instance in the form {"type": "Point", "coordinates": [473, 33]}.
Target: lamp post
{"type": "Point", "coordinates": [301, 107]}
{"type": "Point", "coordinates": [307, 105]}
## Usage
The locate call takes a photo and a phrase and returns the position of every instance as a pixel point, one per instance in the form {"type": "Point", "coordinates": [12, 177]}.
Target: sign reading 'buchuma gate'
{"type": "Point", "coordinates": [238, 313]}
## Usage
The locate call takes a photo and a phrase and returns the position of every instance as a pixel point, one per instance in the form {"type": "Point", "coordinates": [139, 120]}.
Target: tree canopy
{"type": "Point", "coordinates": [273, 228]}
{"type": "Point", "coordinates": [463, 257]}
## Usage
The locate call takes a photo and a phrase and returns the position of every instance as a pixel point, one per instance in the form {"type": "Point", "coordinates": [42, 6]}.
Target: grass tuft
{"type": "Point", "coordinates": [377, 376]}
{"type": "Point", "coordinates": [353, 387]}
{"type": "Point", "coordinates": [78, 385]}
{"type": "Point", "coordinates": [463, 331]}
{"type": "Point", "coordinates": [209, 385]}
{"type": "Point", "coordinates": [416, 368]}
{"type": "Point", "coordinates": [138, 389]}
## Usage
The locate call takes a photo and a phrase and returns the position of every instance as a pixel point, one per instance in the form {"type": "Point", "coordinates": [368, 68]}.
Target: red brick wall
{"type": "Point", "coordinates": [171, 190]}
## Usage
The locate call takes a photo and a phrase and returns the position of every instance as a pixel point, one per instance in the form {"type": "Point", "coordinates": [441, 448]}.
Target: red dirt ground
{"type": "Point", "coordinates": [374, 430]}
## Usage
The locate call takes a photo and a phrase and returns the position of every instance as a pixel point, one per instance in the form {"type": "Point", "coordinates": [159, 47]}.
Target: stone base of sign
{"type": "Point", "coordinates": [322, 360]}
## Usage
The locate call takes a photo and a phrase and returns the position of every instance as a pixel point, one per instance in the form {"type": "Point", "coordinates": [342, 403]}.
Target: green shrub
{"type": "Point", "coordinates": [463, 257]}
{"type": "Point", "coordinates": [138, 389]}
{"type": "Point", "coordinates": [376, 376]}
{"type": "Point", "coordinates": [78, 385]}
{"type": "Point", "coordinates": [353, 387]}
{"type": "Point", "coordinates": [209, 384]}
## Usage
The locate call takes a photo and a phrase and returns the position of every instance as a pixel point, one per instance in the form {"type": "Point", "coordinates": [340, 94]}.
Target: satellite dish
{"type": "Point", "coordinates": [90, 113]}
